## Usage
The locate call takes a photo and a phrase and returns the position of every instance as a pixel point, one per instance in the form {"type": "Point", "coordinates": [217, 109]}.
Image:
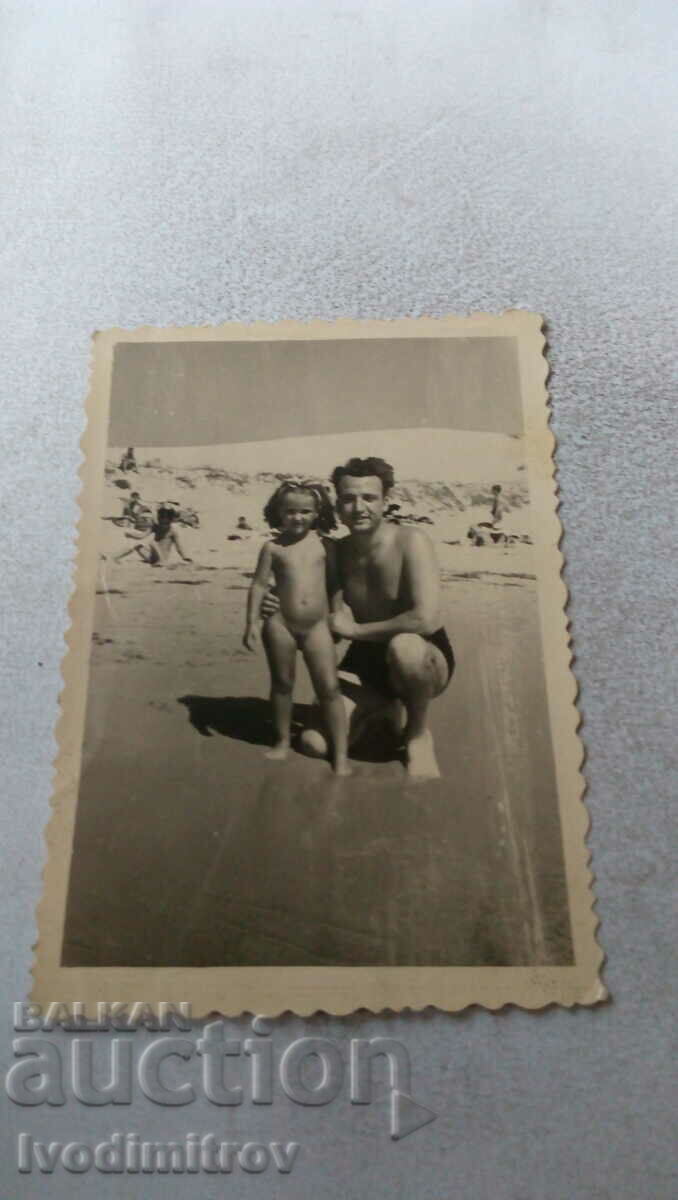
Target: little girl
{"type": "Point", "coordinates": [303, 564]}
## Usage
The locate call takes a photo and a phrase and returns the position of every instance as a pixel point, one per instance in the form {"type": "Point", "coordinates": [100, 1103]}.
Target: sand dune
{"type": "Point", "coordinates": [446, 505]}
{"type": "Point", "coordinates": [427, 454]}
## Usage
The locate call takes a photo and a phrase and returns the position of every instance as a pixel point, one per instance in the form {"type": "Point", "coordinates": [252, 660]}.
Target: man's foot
{"type": "Point", "coordinates": [278, 753]}
{"type": "Point", "coordinates": [421, 758]}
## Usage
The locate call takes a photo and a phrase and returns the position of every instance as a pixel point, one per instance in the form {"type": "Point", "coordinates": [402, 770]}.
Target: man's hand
{"type": "Point", "coordinates": [251, 638]}
{"type": "Point", "coordinates": [269, 605]}
{"type": "Point", "coordinates": [343, 623]}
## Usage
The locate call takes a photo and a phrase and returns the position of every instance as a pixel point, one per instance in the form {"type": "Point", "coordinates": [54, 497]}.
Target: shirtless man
{"type": "Point", "coordinates": [390, 581]}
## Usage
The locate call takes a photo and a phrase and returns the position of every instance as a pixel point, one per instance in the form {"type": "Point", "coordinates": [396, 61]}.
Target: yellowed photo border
{"type": "Point", "coordinates": [337, 990]}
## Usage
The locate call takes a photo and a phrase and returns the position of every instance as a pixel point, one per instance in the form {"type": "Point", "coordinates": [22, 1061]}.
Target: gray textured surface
{"type": "Point", "coordinates": [165, 163]}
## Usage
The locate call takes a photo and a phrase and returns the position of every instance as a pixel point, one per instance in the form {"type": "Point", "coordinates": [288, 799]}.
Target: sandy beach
{"type": "Point", "coordinates": [192, 849]}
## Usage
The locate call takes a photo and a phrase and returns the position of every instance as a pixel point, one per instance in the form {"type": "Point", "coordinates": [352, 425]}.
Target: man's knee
{"type": "Point", "coordinates": [406, 655]}
{"type": "Point", "coordinates": [328, 693]}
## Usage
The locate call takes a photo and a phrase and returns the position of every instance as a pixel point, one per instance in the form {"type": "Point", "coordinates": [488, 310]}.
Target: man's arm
{"type": "Point", "coordinates": [332, 579]}
{"type": "Point", "coordinates": [335, 590]}
{"type": "Point", "coordinates": [422, 579]}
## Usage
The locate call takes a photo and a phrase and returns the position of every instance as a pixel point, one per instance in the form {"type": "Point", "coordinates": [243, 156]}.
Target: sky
{"type": "Point", "coordinates": [210, 393]}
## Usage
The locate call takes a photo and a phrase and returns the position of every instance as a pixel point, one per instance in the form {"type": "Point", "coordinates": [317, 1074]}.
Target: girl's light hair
{"type": "Point", "coordinates": [325, 519]}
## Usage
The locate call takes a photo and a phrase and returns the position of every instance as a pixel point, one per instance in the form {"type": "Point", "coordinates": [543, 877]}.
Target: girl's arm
{"type": "Point", "coordinates": [258, 588]}
{"type": "Point", "coordinates": [335, 591]}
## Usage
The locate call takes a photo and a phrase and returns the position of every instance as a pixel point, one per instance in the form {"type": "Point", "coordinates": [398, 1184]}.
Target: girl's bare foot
{"type": "Point", "coordinates": [342, 767]}
{"type": "Point", "coordinates": [278, 753]}
{"type": "Point", "coordinates": [421, 758]}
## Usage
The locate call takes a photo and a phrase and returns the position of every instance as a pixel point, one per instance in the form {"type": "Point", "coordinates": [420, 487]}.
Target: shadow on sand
{"type": "Point", "coordinates": [248, 718]}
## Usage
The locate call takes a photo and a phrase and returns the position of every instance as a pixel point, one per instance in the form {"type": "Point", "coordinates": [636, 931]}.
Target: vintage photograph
{"type": "Point", "coordinates": [319, 733]}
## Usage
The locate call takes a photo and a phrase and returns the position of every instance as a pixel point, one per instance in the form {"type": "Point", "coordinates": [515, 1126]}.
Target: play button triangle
{"type": "Point", "coordinates": [407, 1115]}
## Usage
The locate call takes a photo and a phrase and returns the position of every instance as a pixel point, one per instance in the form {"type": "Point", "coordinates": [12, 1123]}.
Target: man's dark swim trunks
{"type": "Point", "coordinates": [368, 661]}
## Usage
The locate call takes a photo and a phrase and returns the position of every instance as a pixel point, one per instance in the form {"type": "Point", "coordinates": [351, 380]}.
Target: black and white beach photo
{"type": "Point", "coordinates": [317, 729]}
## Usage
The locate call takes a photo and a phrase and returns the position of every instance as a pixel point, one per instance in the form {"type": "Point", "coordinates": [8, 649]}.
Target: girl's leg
{"type": "Point", "coordinates": [361, 706]}
{"type": "Point", "coordinates": [281, 652]}
{"type": "Point", "coordinates": [320, 658]}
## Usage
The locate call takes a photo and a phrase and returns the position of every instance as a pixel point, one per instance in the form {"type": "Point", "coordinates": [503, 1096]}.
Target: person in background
{"type": "Point", "coordinates": [133, 506]}
{"type": "Point", "coordinates": [498, 506]}
{"type": "Point", "coordinates": [156, 550]}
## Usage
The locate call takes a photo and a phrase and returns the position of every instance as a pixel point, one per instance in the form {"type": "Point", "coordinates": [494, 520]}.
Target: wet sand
{"type": "Point", "coordinates": [192, 849]}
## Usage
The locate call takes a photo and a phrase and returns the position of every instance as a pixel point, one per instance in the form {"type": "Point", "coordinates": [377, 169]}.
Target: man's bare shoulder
{"type": "Point", "coordinates": [410, 538]}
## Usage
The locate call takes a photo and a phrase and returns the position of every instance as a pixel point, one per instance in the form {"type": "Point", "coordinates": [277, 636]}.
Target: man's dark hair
{"type": "Point", "coordinates": [359, 467]}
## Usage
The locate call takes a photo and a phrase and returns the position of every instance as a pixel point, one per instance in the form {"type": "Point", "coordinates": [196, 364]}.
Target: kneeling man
{"type": "Point", "coordinates": [390, 581]}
